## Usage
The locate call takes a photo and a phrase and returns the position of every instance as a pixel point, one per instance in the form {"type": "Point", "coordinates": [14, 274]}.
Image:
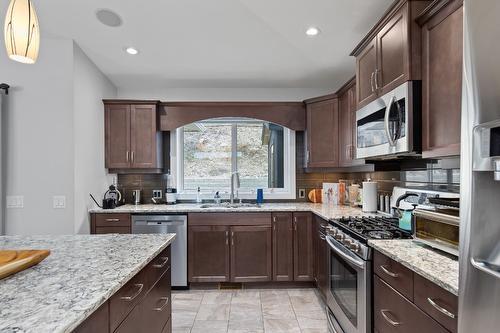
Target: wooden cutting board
{"type": "Point", "coordinates": [13, 261]}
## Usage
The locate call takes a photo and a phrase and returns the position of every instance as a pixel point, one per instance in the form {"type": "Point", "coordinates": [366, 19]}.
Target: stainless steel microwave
{"type": "Point", "coordinates": [391, 125]}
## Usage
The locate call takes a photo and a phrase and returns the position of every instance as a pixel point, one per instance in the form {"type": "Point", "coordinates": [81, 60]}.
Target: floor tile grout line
{"type": "Point", "coordinates": [293, 309]}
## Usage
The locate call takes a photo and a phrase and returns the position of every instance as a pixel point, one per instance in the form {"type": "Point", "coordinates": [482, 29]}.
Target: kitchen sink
{"type": "Point", "coordinates": [229, 205]}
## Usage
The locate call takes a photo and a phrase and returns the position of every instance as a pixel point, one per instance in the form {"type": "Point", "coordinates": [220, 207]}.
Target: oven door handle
{"type": "Point", "coordinates": [351, 259]}
{"type": "Point", "coordinates": [388, 108]}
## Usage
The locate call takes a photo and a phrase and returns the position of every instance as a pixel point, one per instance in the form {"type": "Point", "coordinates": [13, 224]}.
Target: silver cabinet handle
{"type": "Point", "coordinates": [440, 308]}
{"type": "Point", "coordinates": [388, 272]}
{"type": "Point", "coordinates": [127, 156]}
{"type": "Point", "coordinates": [133, 156]}
{"type": "Point", "coordinates": [376, 79]}
{"type": "Point", "coordinates": [165, 260]}
{"type": "Point", "coordinates": [227, 237]}
{"type": "Point", "coordinates": [232, 238]}
{"type": "Point", "coordinates": [371, 82]}
{"type": "Point", "coordinates": [112, 220]}
{"type": "Point", "coordinates": [165, 303]}
{"type": "Point", "coordinates": [139, 286]}
{"type": "Point", "coordinates": [389, 320]}
{"type": "Point", "coordinates": [274, 219]}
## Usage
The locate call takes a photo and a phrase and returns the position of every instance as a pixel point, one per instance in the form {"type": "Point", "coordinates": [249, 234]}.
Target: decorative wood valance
{"type": "Point", "coordinates": [177, 114]}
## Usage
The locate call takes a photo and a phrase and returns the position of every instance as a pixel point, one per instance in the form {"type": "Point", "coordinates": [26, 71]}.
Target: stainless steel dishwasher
{"type": "Point", "coordinates": [165, 224]}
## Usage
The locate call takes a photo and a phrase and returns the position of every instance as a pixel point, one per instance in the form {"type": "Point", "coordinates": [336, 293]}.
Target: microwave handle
{"type": "Point", "coordinates": [386, 121]}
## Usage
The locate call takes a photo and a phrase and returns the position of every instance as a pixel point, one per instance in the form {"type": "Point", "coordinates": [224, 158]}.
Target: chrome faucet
{"type": "Point", "coordinates": [235, 180]}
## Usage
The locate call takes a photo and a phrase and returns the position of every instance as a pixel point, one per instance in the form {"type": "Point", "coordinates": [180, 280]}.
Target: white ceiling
{"type": "Point", "coordinates": [217, 43]}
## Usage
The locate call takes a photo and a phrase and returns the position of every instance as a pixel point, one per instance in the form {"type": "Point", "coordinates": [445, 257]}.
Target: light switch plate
{"type": "Point", "coordinates": [59, 202]}
{"type": "Point", "coordinates": [302, 193]}
{"type": "Point", "coordinates": [15, 201]}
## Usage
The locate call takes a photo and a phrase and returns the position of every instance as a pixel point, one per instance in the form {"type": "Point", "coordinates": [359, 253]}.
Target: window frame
{"type": "Point", "coordinates": [289, 160]}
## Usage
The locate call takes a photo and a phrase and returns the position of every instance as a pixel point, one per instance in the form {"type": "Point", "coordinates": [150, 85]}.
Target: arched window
{"type": "Point", "coordinates": [207, 153]}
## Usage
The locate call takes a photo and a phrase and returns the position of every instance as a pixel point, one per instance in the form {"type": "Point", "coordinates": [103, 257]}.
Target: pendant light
{"type": "Point", "coordinates": [22, 34]}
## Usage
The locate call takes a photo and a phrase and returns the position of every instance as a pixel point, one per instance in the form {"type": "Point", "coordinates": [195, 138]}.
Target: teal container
{"type": "Point", "coordinates": [405, 220]}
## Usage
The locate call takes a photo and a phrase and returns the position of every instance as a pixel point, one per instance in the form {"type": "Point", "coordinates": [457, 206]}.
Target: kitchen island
{"type": "Point", "coordinates": [81, 275]}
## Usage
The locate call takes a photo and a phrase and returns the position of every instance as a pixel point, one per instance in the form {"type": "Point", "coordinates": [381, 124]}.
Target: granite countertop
{"type": "Point", "coordinates": [325, 211]}
{"type": "Point", "coordinates": [432, 265]}
{"type": "Point", "coordinates": [79, 275]}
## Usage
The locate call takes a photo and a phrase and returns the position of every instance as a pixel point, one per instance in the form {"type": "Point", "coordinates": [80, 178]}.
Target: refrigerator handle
{"type": "Point", "coordinates": [485, 267]}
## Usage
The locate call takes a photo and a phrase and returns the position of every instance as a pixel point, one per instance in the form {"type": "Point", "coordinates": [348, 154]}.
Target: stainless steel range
{"type": "Point", "coordinates": [350, 270]}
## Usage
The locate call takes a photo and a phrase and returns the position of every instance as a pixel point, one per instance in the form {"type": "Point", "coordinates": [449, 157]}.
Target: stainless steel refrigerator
{"type": "Point", "coordinates": [479, 298]}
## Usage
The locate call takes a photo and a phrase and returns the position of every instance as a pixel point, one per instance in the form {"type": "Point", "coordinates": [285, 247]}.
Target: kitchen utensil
{"type": "Point", "coordinates": [136, 195]}
{"type": "Point", "coordinates": [13, 261]}
{"type": "Point", "coordinates": [405, 216]}
{"type": "Point", "coordinates": [369, 197]}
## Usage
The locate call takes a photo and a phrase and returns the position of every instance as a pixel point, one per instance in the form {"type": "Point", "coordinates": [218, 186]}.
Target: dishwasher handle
{"type": "Point", "coordinates": [167, 223]}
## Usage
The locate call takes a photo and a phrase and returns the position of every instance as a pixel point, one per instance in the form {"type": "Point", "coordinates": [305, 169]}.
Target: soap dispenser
{"type": "Point", "coordinates": [198, 196]}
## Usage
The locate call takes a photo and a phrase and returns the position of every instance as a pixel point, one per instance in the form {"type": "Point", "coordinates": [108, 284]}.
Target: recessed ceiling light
{"type": "Point", "coordinates": [312, 31]}
{"type": "Point", "coordinates": [132, 50]}
{"type": "Point", "coordinates": [108, 18]}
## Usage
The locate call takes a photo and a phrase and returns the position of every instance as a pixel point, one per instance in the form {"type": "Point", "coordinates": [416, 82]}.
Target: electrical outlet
{"type": "Point", "coordinates": [59, 201]}
{"type": "Point", "coordinates": [302, 193]}
{"type": "Point", "coordinates": [157, 194]}
{"type": "Point", "coordinates": [15, 201]}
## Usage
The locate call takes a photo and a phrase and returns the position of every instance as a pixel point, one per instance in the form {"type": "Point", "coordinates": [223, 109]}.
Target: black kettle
{"type": "Point", "coordinates": [111, 199]}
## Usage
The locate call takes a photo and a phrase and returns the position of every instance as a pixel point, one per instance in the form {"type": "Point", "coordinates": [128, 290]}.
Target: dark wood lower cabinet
{"type": "Point", "coordinates": [303, 247]}
{"type": "Point", "coordinates": [251, 251]}
{"type": "Point", "coordinates": [282, 247]}
{"type": "Point", "coordinates": [143, 304]}
{"type": "Point", "coordinates": [208, 253]}
{"type": "Point", "coordinates": [321, 257]}
{"type": "Point", "coordinates": [395, 314]}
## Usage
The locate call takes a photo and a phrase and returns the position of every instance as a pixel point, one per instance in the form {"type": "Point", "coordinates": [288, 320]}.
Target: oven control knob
{"type": "Point", "coordinates": [339, 236]}
{"type": "Point", "coordinates": [355, 246]}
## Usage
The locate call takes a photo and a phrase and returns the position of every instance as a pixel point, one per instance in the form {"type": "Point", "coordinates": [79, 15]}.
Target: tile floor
{"type": "Point", "coordinates": [248, 311]}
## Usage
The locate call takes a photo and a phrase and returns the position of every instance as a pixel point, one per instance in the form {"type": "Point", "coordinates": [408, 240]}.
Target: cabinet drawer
{"type": "Point", "coordinates": [229, 219]}
{"type": "Point", "coordinates": [158, 266]}
{"type": "Point", "coordinates": [157, 305]}
{"type": "Point", "coordinates": [392, 313]}
{"type": "Point", "coordinates": [112, 220]}
{"type": "Point", "coordinates": [125, 299]}
{"type": "Point", "coordinates": [112, 230]}
{"type": "Point", "coordinates": [395, 274]}
{"type": "Point", "coordinates": [436, 302]}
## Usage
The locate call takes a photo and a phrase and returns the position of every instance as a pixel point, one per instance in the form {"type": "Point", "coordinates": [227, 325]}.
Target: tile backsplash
{"type": "Point", "coordinates": [431, 177]}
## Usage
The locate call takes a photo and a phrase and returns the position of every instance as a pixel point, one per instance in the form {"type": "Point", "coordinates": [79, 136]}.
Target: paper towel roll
{"type": "Point", "coordinates": [369, 197]}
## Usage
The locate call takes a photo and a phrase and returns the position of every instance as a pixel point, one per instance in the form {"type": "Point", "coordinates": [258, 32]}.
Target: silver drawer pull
{"type": "Point", "coordinates": [388, 272]}
{"type": "Point", "coordinates": [440, 308]}
{"type": "Point", "coordinates": [165, 260]}
{"type": "Point", "coordinates": [112, 220]}
{"type": "Point", "coordinates": [131, 298]}
{"type": "Point", "coordinates": [389, 320]}
{"type": "Point", "coordinates": [165, 303]}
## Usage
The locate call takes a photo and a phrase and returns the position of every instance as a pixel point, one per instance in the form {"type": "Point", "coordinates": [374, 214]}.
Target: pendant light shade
{"type": "Point", "coordinates": [22, 34]}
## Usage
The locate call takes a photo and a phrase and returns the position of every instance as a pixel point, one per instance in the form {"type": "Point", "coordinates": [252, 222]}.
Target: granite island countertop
{"type": "Point", "coordinates": [432, 265]}
{"type": "Point", "coordinates": [325, 211]}
{"type": "Point", "coordinates": [79, 275]}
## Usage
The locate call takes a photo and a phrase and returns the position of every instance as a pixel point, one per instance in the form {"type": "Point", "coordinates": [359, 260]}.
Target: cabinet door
{"type": "Point", "coordinates": [144, 143]}
{"type": "Point", "coordinates": [303, 247]}
{"type": "Point", "coordinates": [393, 53]}
{"type": "Point", "coordinates": [251, 254]}
{"type": "Point", "coordinates": [321, 263]}
{"type": "Point", "coordinates": [442, 83]}
{"type": "Point", "coordinates": [345, 135]}
{"type": "Point", "coordinates": [366, 64]}
{"type": "Point", "coordinates": [117, 135]}
{"type": "Point", "coordinates": [322, 134]}
{"type": "Point", "coordinates": [282, 247]}
{"type": "Point", "coordinates": [208, 255]}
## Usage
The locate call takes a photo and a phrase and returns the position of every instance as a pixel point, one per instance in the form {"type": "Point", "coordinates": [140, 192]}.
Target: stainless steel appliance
{"type": "Point", "coordinates": [480, 155]}
{"type": "Point", "coordinates": [136, 195]}
{"type": "Point", "coordinates": [349, 297]}
{"type": "Point", "coordinates": [163, 224]}
{"type": "Point", "coordinates": [391, 124]}
{"type": "Point", "coordinates": [436, 220]}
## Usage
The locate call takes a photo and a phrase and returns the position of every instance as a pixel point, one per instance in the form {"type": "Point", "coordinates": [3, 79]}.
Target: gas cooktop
{"type": "Point", "coordinates": [372, 227]}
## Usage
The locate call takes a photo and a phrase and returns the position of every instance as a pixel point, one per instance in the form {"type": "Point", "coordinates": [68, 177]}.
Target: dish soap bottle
{"type": "Point", "coordinates": [198, 196]}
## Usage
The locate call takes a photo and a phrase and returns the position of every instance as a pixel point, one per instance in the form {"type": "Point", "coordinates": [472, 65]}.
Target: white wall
{"type": "Point", "coordinates": [38, 125]}
{"type": "Point", "coordinates": [90, 87]}
{"type": "Point", "coordinates": [53, 138]}
{"type": "Point", "coordinates": [223, 94]}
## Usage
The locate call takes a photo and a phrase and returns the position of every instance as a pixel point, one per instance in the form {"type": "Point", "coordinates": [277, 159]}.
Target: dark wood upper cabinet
{"type": "Point", "coordinates": [442, 60]}
{"type": "Point", "coordinates": [282, 247]}
{"type": "Point", "coordinates": [303, 255]}
{"type": "Point", "coordinates": [322, 133]}
{"type": "Point", "coordinates": [117, 136]}
{"type": "Point", "coordinates": [208, 254]}
{"type": "Point", "coordinates": [366, 65]}
{"type": "Point", "coordinates": [132, 138]}
{"type": "Point", "coordinates": [390, 54]}
{"type": "Point", "coordinates": [251, 254]}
